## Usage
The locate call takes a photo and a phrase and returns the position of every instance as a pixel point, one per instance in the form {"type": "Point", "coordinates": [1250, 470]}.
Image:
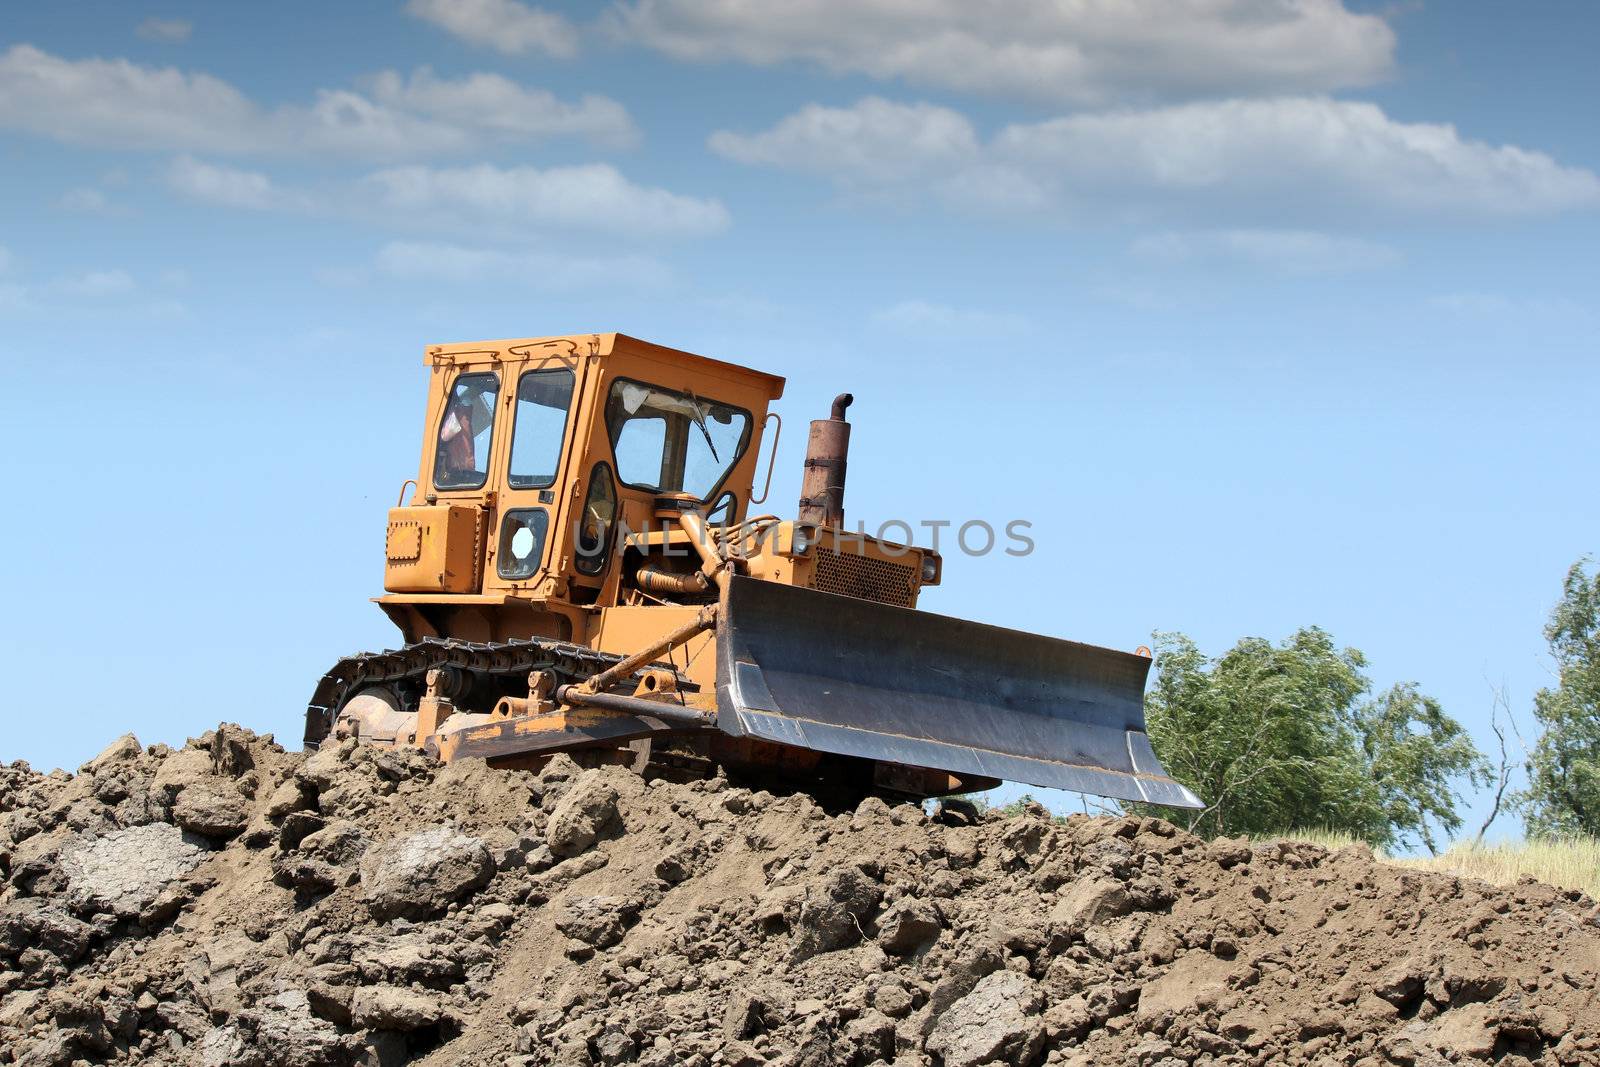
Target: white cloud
{"type": "Point", "coordinates": [84, 201]}
{"type": "Point", "coordinates": [113, 103]}
{"type": "Point", "coordinates": [1286, 159]}
{"type": "Point", "coordinates": [170, 31]}
{"type": "Point", "coordinates": [872, 142]}
{"type": "Point", "coordinates": [500, 106]}
{"type": "Point", "coordinates": [231, 187]}
{"type": "Point", "coordinates": [592, 196]}
{"type": "Point", "coordinates": [1062, 51]}
{"type": "Point", "coordinates": [71, 293]}
{"type": "Point", "coordinates": [550, 271]}
{"type": "Point", "coordinates": [1303, 147]}
{"type": "Point", "coordinates": [923, 317]}
{"type": "Point", "coordinates": [1290, 251]}
{"type": "Point", "coordinates": [505, 25]}
{"type": "Point", "coordinates": [1505, 308]}
{"type": "Point", "coordinates": [96, 283]}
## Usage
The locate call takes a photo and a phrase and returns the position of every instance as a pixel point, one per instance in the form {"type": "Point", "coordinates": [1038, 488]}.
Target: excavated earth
{"type": "Point", "coordinates": [231, 903]}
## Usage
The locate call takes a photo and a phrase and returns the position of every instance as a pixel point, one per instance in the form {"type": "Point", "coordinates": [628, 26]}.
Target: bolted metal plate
{"type": "Point", "coordinates": [857, 678]}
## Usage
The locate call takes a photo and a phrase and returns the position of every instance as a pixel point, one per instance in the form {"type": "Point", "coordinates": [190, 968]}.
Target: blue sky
{"type": "Point", "coordinates": [1264, 313]}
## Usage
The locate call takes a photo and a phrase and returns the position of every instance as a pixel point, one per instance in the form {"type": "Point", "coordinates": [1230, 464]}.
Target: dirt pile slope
{"type": "Point", "coordinates": [231, 903]}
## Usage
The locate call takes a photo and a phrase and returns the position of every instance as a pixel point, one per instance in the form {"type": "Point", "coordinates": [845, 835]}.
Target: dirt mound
{"type": "Point", "coordinates": [231, 903]}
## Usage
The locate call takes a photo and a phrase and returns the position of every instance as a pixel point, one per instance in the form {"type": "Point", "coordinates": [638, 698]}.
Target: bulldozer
{"type": "Point", "coordinates": [581, 567]}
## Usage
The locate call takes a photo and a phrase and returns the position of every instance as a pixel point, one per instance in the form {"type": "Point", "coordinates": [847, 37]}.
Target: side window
{"type": "Point", "coordinates": [522, 535]}
{"type": "Point", "coordinates": [723, 511]}
{"type": "Point", "coordinates": [595, 524]}
{"type": "Point", "coordinates": [466, 432]}
{"type": "Point", "coordinates": [639, 445]}
{"type": "Point", "coordinates": [666, 441]}
{"type": "Point", "coordinates": [543, 397]}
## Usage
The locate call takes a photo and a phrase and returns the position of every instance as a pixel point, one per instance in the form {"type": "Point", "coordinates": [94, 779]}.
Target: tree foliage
{"type": "Point", "coordinates": [1563, 794]}
{"type": "Point", "coordinates": [1290, 736]}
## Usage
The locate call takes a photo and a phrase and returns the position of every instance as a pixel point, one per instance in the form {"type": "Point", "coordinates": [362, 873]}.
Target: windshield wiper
{"type": "Point", "coordinates": [700, 421]}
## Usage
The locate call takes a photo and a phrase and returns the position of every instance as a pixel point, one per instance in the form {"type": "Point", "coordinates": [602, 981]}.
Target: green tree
{"type": "Point", "coordinates": [1563, 794]}
{"type": "Point", "coordinates": [1289, 736]}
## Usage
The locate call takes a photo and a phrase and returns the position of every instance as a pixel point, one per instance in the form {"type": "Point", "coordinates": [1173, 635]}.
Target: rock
{"type": "Point", "coordinates": [231, 755]}
{"type": "Point", "coordinates": [598, 922]}
{"type": "Point", "coordinates": [125, 872]}
{"type": "Point", "coordinates": [908, 925]}
{"type": "Point", "coordinates": [586, 812]}
{"type": "Point", "coordinates": [894, 1000]}
{"type": "Point", "coordinates": [183, 768]}
{"type": "Point", "coordinates": [831, 916]}
{"type": "Point", "coordinates": [614, 1046]}
{"type": "Point", "coordinates": [421, 874]}
{"type": "Point", "coordinates": [34, 923]}
{"type": "Point", "coordinates": [123, 750]}
{"type": "Point", "coordinates": [872, 1033]}
{"type": "Point", "coordinates": [211, 809]}
{"type": "Point", "coordinates": [1466, 1031]}
{"type": "Point", "coordinates": [1087, 902]}
{"type": "Point", "coordinates": [282, 1031]}
{"type": "Point", "coordinates": [756, 1009]}
{"type": "Point", "coordinates": [324, 765]}
{"type": "Point", "coordinates": [392, 1008]}
{"type": "Point", "coordinates": [998, 1022]}
{"type": "Point", "coordinates": [290, 796]}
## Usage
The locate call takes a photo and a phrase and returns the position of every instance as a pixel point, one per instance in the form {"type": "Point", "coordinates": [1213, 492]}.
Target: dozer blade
{"type": "Point", "coordinates": [858, 678]}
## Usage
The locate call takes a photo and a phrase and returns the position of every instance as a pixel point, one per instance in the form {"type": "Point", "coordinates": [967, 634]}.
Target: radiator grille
{"type": "Point", "coordinates": [863, 577]}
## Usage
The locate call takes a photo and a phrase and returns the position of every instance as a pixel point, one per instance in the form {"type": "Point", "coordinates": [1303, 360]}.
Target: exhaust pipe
{"type": "Point", "coordinates": [822, 487]}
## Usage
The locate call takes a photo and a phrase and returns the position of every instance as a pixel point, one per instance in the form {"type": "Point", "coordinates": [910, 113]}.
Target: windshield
{"type": "Point", "coordinates": [670, 442]}
{"type": "Point", "coordinates": [543, 397]}
{"type": "Point", "coordinates": [465, 433]}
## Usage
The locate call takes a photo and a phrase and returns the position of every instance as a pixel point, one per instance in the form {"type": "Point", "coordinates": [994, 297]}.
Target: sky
{"type": "Point", "coordinates": [1262, 313]}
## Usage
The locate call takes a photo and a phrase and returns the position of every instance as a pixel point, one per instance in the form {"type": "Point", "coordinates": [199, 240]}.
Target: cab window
{"type": "Point", "coordinates": [596, 523]}
{"type": "Point", "coordinates": [671, 442]}
{"type": "Point", "coordinates": [543, 397]}
{"type": "Point", "coordinates": [466, 432]}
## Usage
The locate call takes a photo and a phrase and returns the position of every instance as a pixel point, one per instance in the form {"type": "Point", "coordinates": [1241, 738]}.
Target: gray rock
{"type": "Point", "coordinates": [126, 871]}
{"type": "Point", "coordinates": [283, 1032]}
{"type": "Point", "coordinates": [998, 1022]}
{"type": "Point", "coordinates": [124, 749]}
{"type": "Point", "coordinates": [421, 874]}
{"type": "Point", "coordinates": [832, 918]}
{"type": "Point", "coordinates": [583, 815]}
{"type": "Point", "coordinates": [34, 923]}
{"type": "Point", "coordinates": [752, 1010]}
{"type": "Point", "coordinates": [908, 925]}
{"type": "Point", "coordinates": [211, 809]}
{"type": "Point", "coordinates": [392, 1008]}
{"type": "Point", "coordinates": [290, 796]}
{"type": "Point", "coordinates": [1087, 902]}
{"type": "Point", "coordinates": [323, 766]}
{"type": "Point", "coordinates": [598, 922]}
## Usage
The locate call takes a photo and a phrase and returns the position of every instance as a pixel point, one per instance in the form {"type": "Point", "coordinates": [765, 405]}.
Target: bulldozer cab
{"type": "Point", "coordinates": [537, 453]}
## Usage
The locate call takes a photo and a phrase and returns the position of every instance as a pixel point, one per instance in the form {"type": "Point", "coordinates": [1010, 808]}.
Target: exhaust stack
{"type": "Point", "coordinates": [822, 487]}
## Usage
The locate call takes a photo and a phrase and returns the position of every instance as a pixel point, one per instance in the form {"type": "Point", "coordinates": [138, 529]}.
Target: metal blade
{"type": "Point", "coordinates": [858, 678]}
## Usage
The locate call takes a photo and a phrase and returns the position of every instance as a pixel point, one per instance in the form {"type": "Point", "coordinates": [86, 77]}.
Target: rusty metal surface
{"type": "Point", "coordinates": [827, 453]}
{"type": "Point", "coordinates": [565, 730]}
{"type": "Point", "coordinates": [875, 681]}
{"type": "Point", "coordinates": [568, 661]}
{"type": "Point", "coordinates": [855, 573]}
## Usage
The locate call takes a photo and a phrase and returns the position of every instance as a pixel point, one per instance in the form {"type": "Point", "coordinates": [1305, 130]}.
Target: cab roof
{"type": "Point", "coordinates": [598, 344]}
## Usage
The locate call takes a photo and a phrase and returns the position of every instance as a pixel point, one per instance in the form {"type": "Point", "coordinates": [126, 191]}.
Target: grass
{"type": "Point", "coordinates": [1570, 863]}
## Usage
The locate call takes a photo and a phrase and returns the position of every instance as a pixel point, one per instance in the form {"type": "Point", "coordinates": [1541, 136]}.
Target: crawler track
{"type": "Point", "coordinates": [505, 661]}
